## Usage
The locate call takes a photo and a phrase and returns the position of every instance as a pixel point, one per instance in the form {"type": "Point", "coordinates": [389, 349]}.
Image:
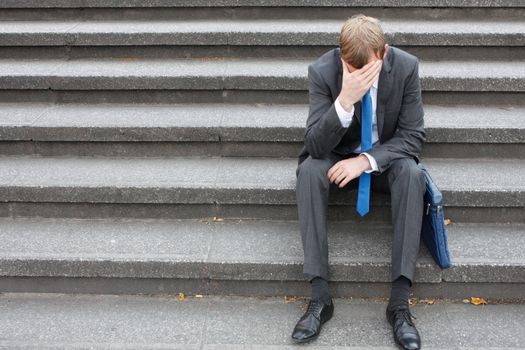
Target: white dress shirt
{"type": "Point", "coordinates": [346, 119]}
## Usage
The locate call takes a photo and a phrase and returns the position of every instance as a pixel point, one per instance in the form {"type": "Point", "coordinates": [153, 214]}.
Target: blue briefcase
{"type": "Point", "coordinates": [433, 232]}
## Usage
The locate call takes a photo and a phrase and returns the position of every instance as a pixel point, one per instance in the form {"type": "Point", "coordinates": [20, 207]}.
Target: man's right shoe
{"type": "Point", "coordinates": [309, 325]}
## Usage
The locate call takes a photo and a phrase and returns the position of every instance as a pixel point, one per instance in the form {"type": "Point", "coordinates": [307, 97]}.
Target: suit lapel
{"type": "Point", "coordinates": [383, 90]}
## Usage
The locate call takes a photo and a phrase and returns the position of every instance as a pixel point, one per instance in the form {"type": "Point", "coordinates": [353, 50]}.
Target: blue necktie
{"type": "Point", "coordinates": [363, 196]}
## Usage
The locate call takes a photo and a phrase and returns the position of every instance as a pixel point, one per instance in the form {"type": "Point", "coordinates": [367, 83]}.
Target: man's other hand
{"type": "Point", "coordinates": [356, 83]}
{"type": "Point", "coordinates": [346, 170]}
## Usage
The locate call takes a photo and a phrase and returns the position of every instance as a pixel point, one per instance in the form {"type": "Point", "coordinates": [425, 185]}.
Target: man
{"type": "Point", "coordinates": [365, 128]}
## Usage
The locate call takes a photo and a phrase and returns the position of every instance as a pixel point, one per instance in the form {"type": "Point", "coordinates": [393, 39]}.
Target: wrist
{"type": "Point", "coordinates": [365, 163]}
{"type": "Point", "coordinates": [345, 103]}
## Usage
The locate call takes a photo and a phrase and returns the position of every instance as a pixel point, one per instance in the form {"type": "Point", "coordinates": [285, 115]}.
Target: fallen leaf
{"type": "Point", "coordinates": [427, 301]}
{"type": "Point", "coordinates": [182, 296]}
{"type": "Point", "coordinates": [447, 221]}
{"type": "Point", "coordinates": [412, 301]}
{"type": "Point", "coordinates": [466, 301]}
{"type": "Point", "coordinates": [217, 219]}
{"type": "Point", "coordinates": [290, 299]}
{"type": "Point", "coordinates": [199, 296]}
{"type": "Point", "coordinates": [478, 301]}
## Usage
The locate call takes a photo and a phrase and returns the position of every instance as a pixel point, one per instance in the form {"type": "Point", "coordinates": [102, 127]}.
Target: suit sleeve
{"type": "Point", "coordinates": [409, 136]}
{"type": "Point", "coordinates": [324, 130]}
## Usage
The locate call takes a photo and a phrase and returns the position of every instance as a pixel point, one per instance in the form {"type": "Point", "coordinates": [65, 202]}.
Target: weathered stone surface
{"type": "Point", "coordinates": [221, 3]}
{"type": "Point", "coordinates": [464, 183]}
{"type": "Point", "coordinates": [254, 33]}
{"type": "Point", "coordinates": [217, 323]}
{"type": "Point", "coordinates": [232, 74]}
{"type": "Point", "coordinates": [232, 123]}
{"type": "Point", "coordinates": [242, 250]}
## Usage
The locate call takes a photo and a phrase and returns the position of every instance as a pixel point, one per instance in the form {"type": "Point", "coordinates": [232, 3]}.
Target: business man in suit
{"type": "Point", "coordinates": [364, 131]}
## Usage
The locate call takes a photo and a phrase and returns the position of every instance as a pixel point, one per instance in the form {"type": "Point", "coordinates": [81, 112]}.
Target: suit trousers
{"type": "Point", "coordinates": [405, 182]}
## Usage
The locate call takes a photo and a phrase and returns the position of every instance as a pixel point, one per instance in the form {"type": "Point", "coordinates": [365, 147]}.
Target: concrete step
{"type": "Point", "coordinates": [228, 74]}
{"type": "Point", "coordinates": [181, 187]}
{"type": "Point", "coordinates": [474, 54]}
{"type": "Point", "coordinates": [254, 33]}
{"type": "Point", "coordinates": [30, 321]}
{"type": "Point", "coordinates": [233, 257]}
{"type": "Point", "coordinates": [231, 130]}
{"type": "Point", "coordinates": [139, 10]}
{"type": "Point", "coordinates": [433, 40]}
{"type": "Point", "coordinates": [251, 3]}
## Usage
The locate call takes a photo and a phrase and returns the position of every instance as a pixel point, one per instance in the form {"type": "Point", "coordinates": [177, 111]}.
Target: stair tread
{"type": "Point", "coordinates": [242, 250]}
{"type": "Point", "coordinates": [247, 74]}
{"type": "Point", "coordinates": [231, 172]}
{"type": "Point", "coordinates": [223, 322]}
{"type": "Point", "coordinates": [251, 3]}
{"type": "Point", "coordinates": [266, 181]}
{"type": "Point", "coordinates": [254, 32]}
{"type": "Point", "coordinates": [214, 122]}
{"type": "Point", "coordinates": [222, 67]}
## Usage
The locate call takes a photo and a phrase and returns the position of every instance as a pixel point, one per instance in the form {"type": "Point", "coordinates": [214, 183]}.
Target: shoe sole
{"type": "Point", "coordinates": [302, 341]}
{"type": "Point", "coordinates": [401, 346]}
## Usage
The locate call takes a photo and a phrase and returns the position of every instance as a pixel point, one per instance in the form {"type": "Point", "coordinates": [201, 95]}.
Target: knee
{"type": "Point", "coordinates": [313, 168]}
{"type": "Point", "coordinates": [408, 170]}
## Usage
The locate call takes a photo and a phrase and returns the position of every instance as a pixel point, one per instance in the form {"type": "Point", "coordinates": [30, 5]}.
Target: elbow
{"type": "Point", "coordinates": [422, 136]}
{"type": "Point", "coordinates": [314, 148]}
{"type": "Point", "coordinates": [418, 141]}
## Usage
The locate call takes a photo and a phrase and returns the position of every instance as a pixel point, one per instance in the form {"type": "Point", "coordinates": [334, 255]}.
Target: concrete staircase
{"type": "Point", "coordinates": [150, 146]}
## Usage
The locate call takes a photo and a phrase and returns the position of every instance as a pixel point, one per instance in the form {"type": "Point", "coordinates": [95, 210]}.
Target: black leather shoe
{"type": "Point", "coordinates": [309, 325]}
{"type": "Point", "coordinates": [405, 332]}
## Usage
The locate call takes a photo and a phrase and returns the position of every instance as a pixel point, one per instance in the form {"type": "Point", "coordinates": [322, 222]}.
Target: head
{"type": "Point", "coordinates": [362, 40]}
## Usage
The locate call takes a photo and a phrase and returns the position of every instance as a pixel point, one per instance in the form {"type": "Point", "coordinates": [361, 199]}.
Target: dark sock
{"type": "Point", "coordinates": [320, 290]}
{"type": "Point", "coordinates": [400, 292]}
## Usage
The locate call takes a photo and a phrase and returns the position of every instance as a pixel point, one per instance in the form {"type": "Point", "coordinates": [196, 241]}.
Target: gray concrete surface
{"type": "Point", "coordinates": [265, 181]}
{"type": "Point", "coordinates": [56, 321]}
{"type": "Point", "coordinates": [260, 130]}
{"type": "Point", "coordinates": [243, 250]}
{"type": "Point", "coordinates": [248, 74]}
{"type": "Point", "coordinates": [221, 3]}
{"type": "Point", "coordinates": [254, 33]}
{"type": "Point", "coordinates": [147, 254]}
{"type": "Point", "coordinates": [232, 123]}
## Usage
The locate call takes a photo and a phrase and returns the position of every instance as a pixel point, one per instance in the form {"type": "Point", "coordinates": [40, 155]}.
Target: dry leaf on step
{"type": "Point", "coordinates": [290, 299]}
{"type": "Point", "coordinates": [478, 301]}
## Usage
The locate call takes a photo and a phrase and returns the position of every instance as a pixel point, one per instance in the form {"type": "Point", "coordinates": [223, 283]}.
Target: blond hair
{"type": "Point", "coordinates": [361, 36]}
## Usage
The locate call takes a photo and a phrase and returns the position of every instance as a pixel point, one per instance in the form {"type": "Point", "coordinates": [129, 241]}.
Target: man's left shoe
{"type": "Point", "coordinates": [405, 332]}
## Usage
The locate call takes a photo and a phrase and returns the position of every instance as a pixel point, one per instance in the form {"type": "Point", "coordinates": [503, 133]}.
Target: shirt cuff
{"type": "Point", "coordinates": [373, 163]}
{"type": "Point", "coordinates": [344, 117]}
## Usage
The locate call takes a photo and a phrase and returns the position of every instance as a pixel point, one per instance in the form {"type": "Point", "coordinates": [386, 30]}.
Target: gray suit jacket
{"type": "Point", "coordinates": [399, 111]}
